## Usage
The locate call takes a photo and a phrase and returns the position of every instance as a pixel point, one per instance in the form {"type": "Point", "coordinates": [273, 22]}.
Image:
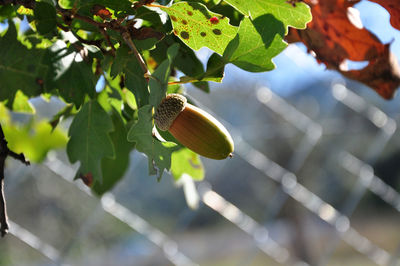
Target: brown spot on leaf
{"type": "Point", "coordinates": [217, 31]}
{"type": "Point", "coordinates": [173, 18]}
{"type": "Point", "coordinates": [184, 22]}
{"type": "Point", "coordinates": [185, 35]}
{"type": "Point", "coordinates": [190, 13]}
{"type": "Point", "coordinates": [176, 32]}
{"type": "Point", "coordinates": [203, 34]}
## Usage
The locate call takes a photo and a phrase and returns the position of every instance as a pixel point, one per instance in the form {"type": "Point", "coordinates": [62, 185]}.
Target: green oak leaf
{"type": "Point", "coordinates": [113, 169]}
{"type": "Point", "coordinates": [294, 16]}
{"type": "Point", "coordinates": [69, 73]}
{"type": "Point", "coordinates": [257, 42]}
{"type": "Point", "coordinates": [89, 139]}
{"type": "Point", "coordinates": [192, 23]}
{"type": "Point", "coordinates": [158, 82]}
{"type": "Point", "coordinates": [20, 68]}
{"type": "Point", "coordinates": [126, 62]}
{"type": "Point", "coordinates": [45, 16]}
{"type": "Point", "coordinates": [158, 153]}
{"type": "Point", "coordinates": [185, 161]}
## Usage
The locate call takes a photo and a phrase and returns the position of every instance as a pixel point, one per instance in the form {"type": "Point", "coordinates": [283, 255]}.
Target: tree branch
{"type": "Point", "coordinates": [129, 42]}
{"type": "Point", "coordinates": [4, 152]}
{"type": "Point", "coordinates": [108, 40]}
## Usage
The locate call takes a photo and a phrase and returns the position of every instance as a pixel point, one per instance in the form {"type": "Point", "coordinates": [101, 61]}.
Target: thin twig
{"type": "Point", "coordinates": [20, 157]}
{"type": "Point", "coordinates": [155, 5]}
{"type": "Point", "coordinates": [129, 42]}
{"type": "Point", "coordinates": [66, 29]}
{"type": "Point", "coordinates": [107, 37]}
{"type": "Point", "coordinates": [178, 82]}
{"type": "Point", "coordinates": [4, 152]}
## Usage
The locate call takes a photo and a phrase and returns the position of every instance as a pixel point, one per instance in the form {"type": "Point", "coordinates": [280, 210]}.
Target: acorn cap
{"type": "Point", "coordinates": [169, 108]}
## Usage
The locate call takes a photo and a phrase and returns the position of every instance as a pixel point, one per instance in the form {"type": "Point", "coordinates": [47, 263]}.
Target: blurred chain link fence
{"type": "Point", "coordinates": [297, 192]}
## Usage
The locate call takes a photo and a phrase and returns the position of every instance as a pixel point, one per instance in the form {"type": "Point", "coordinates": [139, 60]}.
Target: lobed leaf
{"type": "Point", "coordinates": [20, 68]}
{"type": "Point", "coordinates": [296, 16]}
{"type": "Point", "coordinates": [159, 80]}
{"type": "Point", "coordinates": [70, 72]}
{"type": "Point", "coordinates": [257, 42]}
{"type": "Point", "coordinates": [89, 139]}
{"type": "Point", "coordinates": [45, 16]}
{"type": "Point", "coordinates": [185, 161]}
{"type": "Point", "coordinates": [198, 27]}
{"type": "Point", "coordinates": [158, 153]}
{"type": "Point", "coordinates": [113, 169]}
{"type": "Point", "coordinates": [126, 62]}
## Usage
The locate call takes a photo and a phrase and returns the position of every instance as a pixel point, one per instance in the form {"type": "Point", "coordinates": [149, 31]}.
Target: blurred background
{"type": "Point", "coordinates": [314, 181]}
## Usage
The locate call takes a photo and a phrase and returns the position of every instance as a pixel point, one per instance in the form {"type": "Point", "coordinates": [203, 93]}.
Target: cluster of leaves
{"type": "Point", "coordinates": [135, 49]}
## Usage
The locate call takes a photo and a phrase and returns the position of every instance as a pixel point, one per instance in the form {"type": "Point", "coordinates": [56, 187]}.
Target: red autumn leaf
{"type": "Point", "coordinates": [336, 34]}
{"type": "Point", "coordinates": [393, 7]}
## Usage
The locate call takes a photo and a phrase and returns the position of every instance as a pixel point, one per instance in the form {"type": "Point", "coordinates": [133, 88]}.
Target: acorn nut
{"type": "Point", "coordinates": [193, 127]}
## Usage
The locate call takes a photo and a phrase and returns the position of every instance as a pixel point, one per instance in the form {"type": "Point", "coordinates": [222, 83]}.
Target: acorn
{"type": "Point", "coordinates": [193, 127]}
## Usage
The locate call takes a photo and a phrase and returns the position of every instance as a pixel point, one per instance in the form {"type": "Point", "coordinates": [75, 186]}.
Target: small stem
{"type": "Point", "coordinates": [62, 27]}
{"type": "Point", "coordinates": [155, 5]}
{"type": "Point", "coordinates": [181, 82]}
{"type": "Point", "coordinates": [20, 157]}
{"type": "Point", "coordinates": [107, 37]}
{"type": "Point", "coordinates": [176, 82]}
{"type": "Point", "coordinates": [129, 42]}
